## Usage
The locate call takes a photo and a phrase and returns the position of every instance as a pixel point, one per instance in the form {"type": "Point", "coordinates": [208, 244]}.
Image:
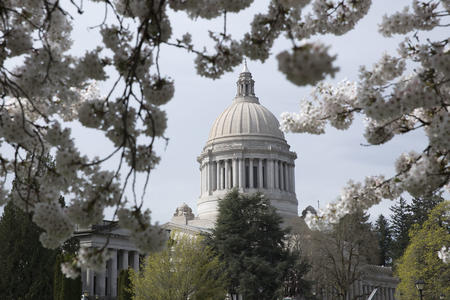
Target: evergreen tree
{"type": "Point", "coordinates": [405, 215]}
{"type": "Point", "coordinates": [249, 239]}
{"type": "Point", "coordinates": [26, 268]}
{"type": "Point", "coordinates": [65, 288]}
{"type": "Point", "coordinates": [384, 235]}
{"type": "Point", "coordinates": [124, 286]}
{"type": "Point", "coordinates": [57, 279]}
{"type": "Point", "coordinates": [401, 221]}
{"type": "Point", "coordinates": [421, 207]}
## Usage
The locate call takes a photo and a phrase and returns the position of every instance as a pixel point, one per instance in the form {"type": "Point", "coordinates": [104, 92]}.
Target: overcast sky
{"type": "Point", "coordinates": [324, 164]}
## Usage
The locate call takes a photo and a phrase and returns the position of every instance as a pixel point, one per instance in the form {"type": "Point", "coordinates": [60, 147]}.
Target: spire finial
{"type": "Point", "coordinates": [245, 84]}
{"type": "Point", "coordinates": [245, 69]}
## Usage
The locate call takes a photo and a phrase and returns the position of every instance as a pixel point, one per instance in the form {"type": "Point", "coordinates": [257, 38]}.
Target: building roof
{"type": "Point", "coordinates": [245, 116]}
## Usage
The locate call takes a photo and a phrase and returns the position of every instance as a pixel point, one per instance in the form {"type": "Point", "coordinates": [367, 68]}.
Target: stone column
{"type": "Point", "coordinates": [215, 187]}
{"type": "Point", "coordinates": [250, 170]}
{"type": "Point", "coordinates": [260, 172]}
{"type": "Point", "coordinates": [282, 176]}
{"type": "Point", "coordinates": [113, 273]}
{"type": "Point", "coordinates": [100, 282]}
{"type": "Point", "coordinates": [124, 259]}
{"type": "Point", "coordinates": [218, 175]}
{"type": "Point", "coordinates": [83, 281]}
{"type": "Point", "coordinates": [276, 173]}
{"type": "Point", "coordinates": [269, 173]}
{"type": "Point", "coordinates": [210, 177]}
{"type": "Point", "coordinates": [292, 178]}
{"type": "Point", "coordinates": [227, 174]}
{"type": "Point", "coordinates": [286, 177]}
{"type": "Point", "coordinates": [241, 172]}
{"type": "Point", "coordinates": [235, 172]}
{"type": "Point", "coordinates": [201, 178]}
{"type": "Point", "coordinates": [207, 177]}
{"type": "Point", "coordinates": [136, 261]}
{"type": "Point", "coordinates": [90, 282]}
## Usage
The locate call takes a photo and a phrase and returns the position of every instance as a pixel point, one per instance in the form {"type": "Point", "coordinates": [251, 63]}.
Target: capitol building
{"type": "Point", "coordinates": [245, 150]}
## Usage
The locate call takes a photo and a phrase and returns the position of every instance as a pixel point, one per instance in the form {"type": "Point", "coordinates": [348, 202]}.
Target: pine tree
{"type": "Point", "coordinates": [65, 288]}
{"type": "Point", "coordinates": [405, 215]}
{"type": "Point", "coordinates": [71, 288]}
{"type": "Point", "coordinates": [26, 268]}
{"type": "Point", "coordinates": [384, 235]}
{"type": "Point", "coordinates": [401, 220]}
{"type": "Point", "coordinates": [57, 278]}
{"type": "Point", "coordinates": [421, 207]}
{"type": "Point", "coordinates": [249, 239]}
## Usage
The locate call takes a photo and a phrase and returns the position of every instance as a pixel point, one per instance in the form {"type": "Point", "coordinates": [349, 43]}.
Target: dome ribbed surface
{"type": "Point", "coordinates": [246, 118]}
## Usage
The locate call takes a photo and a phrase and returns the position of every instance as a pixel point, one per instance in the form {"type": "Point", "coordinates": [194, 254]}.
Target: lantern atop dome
{"type": "Point", "coordinates": [245, 83]}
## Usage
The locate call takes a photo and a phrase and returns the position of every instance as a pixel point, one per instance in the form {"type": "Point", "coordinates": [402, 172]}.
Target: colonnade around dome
{"type": "Point", "coordinates": [247, 174]}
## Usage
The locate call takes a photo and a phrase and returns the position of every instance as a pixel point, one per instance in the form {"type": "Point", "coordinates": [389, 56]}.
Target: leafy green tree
{"type": "Point", "coordinates": [421, 261]}
{"type": "Point", "coordinates": [26, 268]}
{"type": "Point", "coordinates": [250, 241]}
{"type": "Point", "coordinates": [384, 235]}
{"type": "Point", "coordinates": [187, 269]}
{"type": "Point", "coordinates": [124, 286]}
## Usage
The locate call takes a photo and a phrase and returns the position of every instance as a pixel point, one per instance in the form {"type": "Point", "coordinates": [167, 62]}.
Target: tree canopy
{"type": "Point", "coordinates": [186, 269]}
{"type": "Point", "coordinates": [250, 241]}
{"type": "Point", "coordinates": [421, 260]}
{"type": "Point", "coordinates": [338, 255]}
{"type": "Point", "coordinates": [383, 232]}
{"type": "Point", "coordinates": [26, 267]}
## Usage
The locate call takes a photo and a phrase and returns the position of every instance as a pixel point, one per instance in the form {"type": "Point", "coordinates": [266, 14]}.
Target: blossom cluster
{"type": "Point", "coordinates": [391, 103]}
{"type": "Point", "coordinates": [423, 17]}
{"type": "Point", "coordinates": [44, 86]}
{"type": "Point", "coordinates": [336, 17]}
{"type": "Point", "coordinates": [141, 233]}
{"type": "Point", "coordinates": [307, 64]}
{"type": "Point", "coordinates": [444, 254]}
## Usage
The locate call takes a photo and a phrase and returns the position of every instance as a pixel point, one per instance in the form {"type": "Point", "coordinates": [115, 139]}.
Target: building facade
{"type": "Point", "coordinates": [123, 255]}
{"type": "Point", "coordinates": [245, 150]}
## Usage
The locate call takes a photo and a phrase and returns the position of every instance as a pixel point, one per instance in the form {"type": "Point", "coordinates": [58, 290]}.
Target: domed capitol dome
{"type": "Point", "coordinates": [247, 150]}
{"type": "Point", "coordinates": [246, 116]}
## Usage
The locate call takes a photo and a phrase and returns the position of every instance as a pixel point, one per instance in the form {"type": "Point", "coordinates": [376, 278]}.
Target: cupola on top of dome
{"type": "Point", "coordinates": [245, 116]}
